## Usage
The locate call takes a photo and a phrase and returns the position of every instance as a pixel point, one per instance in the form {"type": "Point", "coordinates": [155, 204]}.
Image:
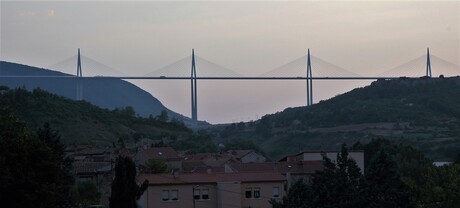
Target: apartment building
{"type": "Point", "coordinates": [211, 190]}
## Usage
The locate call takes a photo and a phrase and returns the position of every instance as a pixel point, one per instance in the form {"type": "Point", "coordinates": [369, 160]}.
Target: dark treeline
{"type": "Point", "coordinates": [395, 176]}
{"type": "Point", "coordinates": [34, 171]}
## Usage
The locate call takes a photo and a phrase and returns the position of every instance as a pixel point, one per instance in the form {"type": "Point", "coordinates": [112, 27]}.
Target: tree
{"type": "Point", "coordinates": [417, 173]}
{"type": "Point", "coordinates": [201, 141]}
{"type": "Point", "coordinates": [86, 193]}
{"type": "Point", "coordinates": [348, 178]}
{"type": "Point", "coordinates": [65, 177]}
{"type": "Point", "coordinates": [125, 190]}
{"type": "Point", "coordinates": [446, 192]}
{"type": "Point", "coordinates": [457, 159]}
{"type": "Point", "coordinates": [338, 184]}
{"type": "Point", "coordinates": [30, 170]}
{"type": "Point", "coordinates": [297, 197]}
{"type": "Point", "coordinates": [163, 117]}
{"type": "Point", "coordinates": [383, 186]}
{"type": "Point", "coordinates": [156, 166]}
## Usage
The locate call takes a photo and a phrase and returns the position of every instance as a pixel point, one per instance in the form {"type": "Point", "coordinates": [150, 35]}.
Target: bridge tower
{"type": "Point", "coordinates": [79, 75]}
{"type": "Point", "coordinates": [194, 89]}
{"type": "Point", "coordinates": [428, 63]}
{"type": "Point", "coordinates": [309, 81]}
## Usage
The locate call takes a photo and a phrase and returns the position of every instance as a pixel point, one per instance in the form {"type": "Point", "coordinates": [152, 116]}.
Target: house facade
{"type": "Point", "coordinates": [203, 190]}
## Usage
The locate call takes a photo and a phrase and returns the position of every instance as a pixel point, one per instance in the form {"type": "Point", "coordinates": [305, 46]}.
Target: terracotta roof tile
{"type": "Point", "coordinates": [239, 153]}
{"type": "Point", "coordinates": [157, 179]}
{"type": "Point", "coordinates": [300, 167]}
{"type": "Point", "coordinates": [90, 167]}
{"type": "Point", "coordinates": [160, 153]}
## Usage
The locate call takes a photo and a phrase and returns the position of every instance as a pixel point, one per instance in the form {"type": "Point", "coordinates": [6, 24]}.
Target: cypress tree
{"type": "Point", "coordinates": [125, 190]}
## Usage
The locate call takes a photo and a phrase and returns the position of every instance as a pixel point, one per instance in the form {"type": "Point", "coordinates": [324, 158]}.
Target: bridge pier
{"type": "Point", "coordinates": [79, 95]}
{"type": "Point", "coordinates": [309, 81]}
{"type": "Point", "coordinates": [428, 63]}
{"type": "Point", "coordinates": [194, 89]}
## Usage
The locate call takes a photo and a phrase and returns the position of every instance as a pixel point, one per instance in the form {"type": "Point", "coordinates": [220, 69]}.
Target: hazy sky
{"type": "Point", "coordinates": [248, 37]}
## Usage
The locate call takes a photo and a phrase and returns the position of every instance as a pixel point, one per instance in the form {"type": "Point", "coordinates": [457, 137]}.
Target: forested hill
{"type": "Point", "coordinates": [423, 112]}
{"type": "Point", "coordinates": [105, 93]}
{"type": "Point", "coordinates": [81, 122]}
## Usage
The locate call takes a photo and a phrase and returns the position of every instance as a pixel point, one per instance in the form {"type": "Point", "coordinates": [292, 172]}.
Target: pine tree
{"type": "Point", "coordinates": [125, 190]}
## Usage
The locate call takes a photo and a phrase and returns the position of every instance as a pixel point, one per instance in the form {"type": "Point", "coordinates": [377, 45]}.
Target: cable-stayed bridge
{"type": "Point", "coordinates": [195, 68]}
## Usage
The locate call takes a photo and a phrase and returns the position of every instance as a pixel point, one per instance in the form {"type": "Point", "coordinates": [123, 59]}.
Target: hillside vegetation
{"type": "Point", "coordinates": [423, 113]}
{"type": "Point", "coordinates": [105, 93]}
{"type": "Point", "coordinates": [81, 122]}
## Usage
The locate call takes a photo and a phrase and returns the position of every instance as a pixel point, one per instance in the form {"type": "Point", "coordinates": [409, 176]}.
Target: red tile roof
{"type": "Point", "coordinates": [209, 159]}
{"type": "Point", "coordinates": [90, 167]}
{"type": "Point", "coordinates": [157, 179]}
{"type": "Point", "coordinates": [239, 153]}
{"type": "Point", "coordinates": [292, 157]}
{"type": "Point", "coordinates": [160, 153]}
{"type": "Point", "coordinates": [299, 167]}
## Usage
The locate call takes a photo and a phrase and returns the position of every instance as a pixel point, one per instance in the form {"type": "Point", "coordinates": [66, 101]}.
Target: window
{"type": "Point", "coordinates": [205, 194]}
{"type": "Point", "coordinates": [252, 192]}
{"type": "Point", "coordinates": [165, 195]}
{"type": "Point", "coordinates": [248, 193]}
{"type": "Point", "coordinates": [173, 195]}
{"type": "Point", "coordinates": [256, 193]}
{"type": "Point", "coordinates": [170, 195]}
{"type": "Point", "coordinates": [276, 192]}
{"type": "Point", "coordinates": [200, 194]}
{"type": "Point", "coordinates": [196, 194]}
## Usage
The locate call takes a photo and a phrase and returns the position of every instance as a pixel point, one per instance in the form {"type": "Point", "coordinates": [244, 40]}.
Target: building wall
{"type": "Point", "coordinates": [266, 193]}
{"type": "Point", "coordinates": [185, 197]}
{"type": "Point", "coordinates": [228, 194]}
{"type": "Point", "coordinates": [221, 195]}
{"type": "Point", "coordinates": [174, 164]}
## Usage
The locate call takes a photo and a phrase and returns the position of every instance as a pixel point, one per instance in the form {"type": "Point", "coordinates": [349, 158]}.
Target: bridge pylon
{"type": "Point", "coordinates": [79, 95]}
{"type": "Point", "coordinates": [309, 81]}
{"type": "Point", "coordinates": [428, 63]}
{"type": "Point", "coordinates": [194, 89]}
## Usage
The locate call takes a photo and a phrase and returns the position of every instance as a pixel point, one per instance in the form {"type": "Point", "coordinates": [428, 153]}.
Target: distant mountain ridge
{"type": "Point", "coordinates": [423, 112]}
{"type": "Point", "coordinates": [105, 93]}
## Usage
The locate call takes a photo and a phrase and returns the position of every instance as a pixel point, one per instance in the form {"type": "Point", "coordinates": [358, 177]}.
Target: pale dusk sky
{"type": "Point", "coordinates": [365, 37]}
